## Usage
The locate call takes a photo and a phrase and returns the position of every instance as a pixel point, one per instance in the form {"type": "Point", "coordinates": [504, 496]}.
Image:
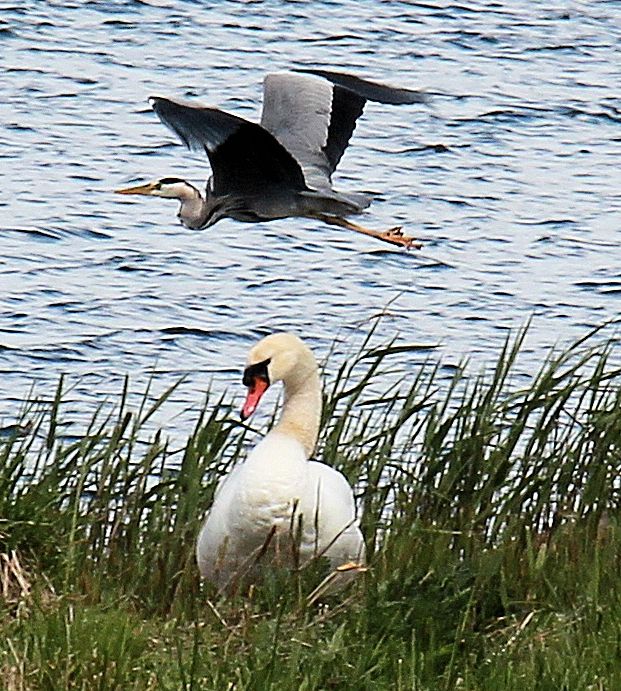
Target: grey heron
{"type": "Point", "coordinates": [283, 166]}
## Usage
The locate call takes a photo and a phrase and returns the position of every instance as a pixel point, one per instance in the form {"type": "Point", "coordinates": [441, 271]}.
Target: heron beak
{"type": "Point", "coordinates": [140, 189]}
{"type": "Point", "coordinates": [255, 392]}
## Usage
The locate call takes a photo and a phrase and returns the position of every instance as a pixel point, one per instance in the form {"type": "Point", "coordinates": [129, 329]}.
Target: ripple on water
{"type": "Point", "coordinates": [510, 176]}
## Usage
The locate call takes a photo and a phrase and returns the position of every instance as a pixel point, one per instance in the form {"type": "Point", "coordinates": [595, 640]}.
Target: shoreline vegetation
{"type": "Point", "coordinates": [490, 508]}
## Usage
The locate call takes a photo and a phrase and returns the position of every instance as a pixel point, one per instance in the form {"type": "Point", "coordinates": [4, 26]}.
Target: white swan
{"type": "Point", "coordinates": [277, 506]}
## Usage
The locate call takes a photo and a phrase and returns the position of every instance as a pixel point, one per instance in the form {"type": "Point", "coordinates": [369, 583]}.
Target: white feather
{"type": "Point", "coordinates": [307, 508]}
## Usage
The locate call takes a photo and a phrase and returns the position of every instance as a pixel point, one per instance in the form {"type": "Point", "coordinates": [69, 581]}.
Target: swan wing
{"type": "Point", "coordinates": [334, 527]}
{"type": "Point", "coordinates": [213, 538]}
{"type": "Point", "coordinates": [257, 496]}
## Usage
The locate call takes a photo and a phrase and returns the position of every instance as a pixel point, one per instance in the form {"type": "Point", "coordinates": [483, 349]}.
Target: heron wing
{"type": "Point", "coordinates": [245, 158]}
{"type": "Point", "coordinates": [371, 91]}
{"type": "Point", "coordinates": [313, 114]}
{"type": "Point", "coordinates": [349, 95]}
{"type": "Point", "coordinates": [313, 119]}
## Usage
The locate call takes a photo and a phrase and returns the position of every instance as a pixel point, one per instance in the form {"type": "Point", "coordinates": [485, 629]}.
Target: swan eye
{"type": "Point", "coordinates": [256, 371]}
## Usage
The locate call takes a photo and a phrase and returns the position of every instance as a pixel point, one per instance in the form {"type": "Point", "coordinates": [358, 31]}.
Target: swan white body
{"type": "Point", "coordinates": [278, 506]}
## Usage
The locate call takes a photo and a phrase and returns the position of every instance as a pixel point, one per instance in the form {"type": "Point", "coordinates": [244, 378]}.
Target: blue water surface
{"type": "Point", "coordinates": [511, 177]}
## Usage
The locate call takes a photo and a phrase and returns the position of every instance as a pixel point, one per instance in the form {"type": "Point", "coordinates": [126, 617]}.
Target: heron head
{"type": "Point", "coordinates": [169, 188]}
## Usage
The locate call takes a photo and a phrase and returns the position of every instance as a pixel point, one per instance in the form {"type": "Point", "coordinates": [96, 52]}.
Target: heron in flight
{"type": "Point", "coordinates": [283, 166]}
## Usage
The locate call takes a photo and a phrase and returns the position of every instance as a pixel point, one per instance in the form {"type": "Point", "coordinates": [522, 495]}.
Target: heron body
{"type": "Point", "coordinates": [283, 166]}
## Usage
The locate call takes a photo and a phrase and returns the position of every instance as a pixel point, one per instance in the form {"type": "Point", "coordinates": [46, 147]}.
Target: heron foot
{"type": "Point", "coordinates": [393, 236]}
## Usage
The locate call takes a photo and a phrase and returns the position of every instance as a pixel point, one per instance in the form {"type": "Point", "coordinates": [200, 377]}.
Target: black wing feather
{"type": "Point", "coordinates": [371, 91]}
{"type": "Point", "coordinates": [349, 95]}
{"type": "Point", "coordinates": [347, 107]}
{"type": "Point", "coordinates": [245, 158]}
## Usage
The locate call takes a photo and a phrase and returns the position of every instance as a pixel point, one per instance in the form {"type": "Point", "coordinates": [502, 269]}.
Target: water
{"type": "Point", "coordinates": [512, 179]}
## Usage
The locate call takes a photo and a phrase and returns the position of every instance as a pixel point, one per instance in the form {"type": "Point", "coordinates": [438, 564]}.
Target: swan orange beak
{"type": "Point", "coordinates": [255, 392]}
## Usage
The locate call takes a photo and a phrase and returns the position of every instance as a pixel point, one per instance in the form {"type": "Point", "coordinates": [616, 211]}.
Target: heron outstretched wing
{"type": "Point", "coordinates": [313, 119]}
{"type": "Point", "coordinates": [313, 113]}
{"type": "Point", "coordinates": [371, 91]}
{"type": "Point", "coordinates": [245, 158]}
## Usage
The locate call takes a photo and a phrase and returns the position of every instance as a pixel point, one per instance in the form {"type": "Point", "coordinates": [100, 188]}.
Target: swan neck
{"type": "Point", "coordinates": [301, 413]}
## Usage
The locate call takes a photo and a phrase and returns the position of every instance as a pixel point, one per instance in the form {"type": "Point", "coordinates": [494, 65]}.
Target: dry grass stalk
{"type": "Point", "coordinates": [14, 583]}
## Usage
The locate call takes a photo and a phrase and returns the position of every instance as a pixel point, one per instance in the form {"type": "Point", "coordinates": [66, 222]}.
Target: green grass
{"type": "Point", "coordinates": [491, 510]}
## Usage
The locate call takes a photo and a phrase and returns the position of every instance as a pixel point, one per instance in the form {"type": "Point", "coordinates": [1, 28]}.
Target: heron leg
{"type": "Point", "coordinates": [394, 236]}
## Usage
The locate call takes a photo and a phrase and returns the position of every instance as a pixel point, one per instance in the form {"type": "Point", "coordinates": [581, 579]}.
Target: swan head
{"type": "Point", "coordinates": [278, 357]}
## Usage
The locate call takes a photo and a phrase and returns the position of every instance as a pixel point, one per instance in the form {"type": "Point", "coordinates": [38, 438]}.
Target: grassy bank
{"type": "Point", "coordinates": [490, 508]}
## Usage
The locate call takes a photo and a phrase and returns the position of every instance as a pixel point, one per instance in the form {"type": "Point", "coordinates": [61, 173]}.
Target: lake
{"type": "Point", "coordinates": [511, 177]}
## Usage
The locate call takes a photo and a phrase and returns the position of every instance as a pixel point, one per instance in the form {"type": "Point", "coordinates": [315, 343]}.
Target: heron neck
{"type": "Point", "coordinates": [193, 208]}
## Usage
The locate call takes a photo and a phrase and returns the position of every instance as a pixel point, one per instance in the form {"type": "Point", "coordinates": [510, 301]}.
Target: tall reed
{"type": "Point", "coordinates": [490, 508]}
